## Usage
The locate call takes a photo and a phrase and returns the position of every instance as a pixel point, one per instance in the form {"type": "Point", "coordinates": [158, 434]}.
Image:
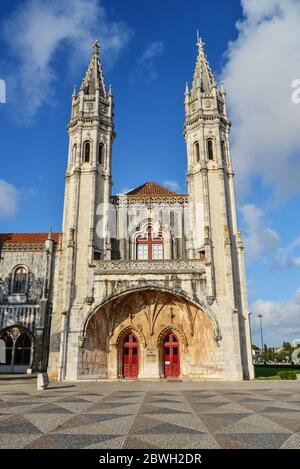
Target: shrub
{"type": "Point", "coordinates": [287, 375]}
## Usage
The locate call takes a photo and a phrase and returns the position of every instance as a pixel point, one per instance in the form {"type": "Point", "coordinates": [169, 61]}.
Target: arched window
{"type": "Point", "coordinates": [86, 152]}
{"type": "Point", "coordinates": [6, 349]}
{"type": "Point", "coordinates": [20, 280]}
{"type": "Point", "coordinates": [101, 153]}
{"type": "Point", "coordinates": [22, 350]}
{"type": "Point", "coordinates": [223, 149]}
{"type": "Point", "coordinates": [197, 152]}
{"type": "Point", "coordinates": [74, 152]}
{"type": "Point", "coordinates": [210, 149]}
{"type": "Point", "coordinates": [149, 247]}
{"type": "Point", "coordinates": [16, 347]}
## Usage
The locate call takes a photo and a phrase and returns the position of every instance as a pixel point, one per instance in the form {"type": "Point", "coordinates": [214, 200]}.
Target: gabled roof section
{"type": "Point", "coordinates": [93, 78]}
{"type": "Point", "coordinates": [27, 238]}
{"type": "Point", "coordinates": [203, 76]}
{"type": "Point", "coordinates": [151, 188]}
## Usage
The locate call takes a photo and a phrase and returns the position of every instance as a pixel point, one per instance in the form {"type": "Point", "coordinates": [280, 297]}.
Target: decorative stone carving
{"type": "Point", "coordinates": [15, 332]}
{"type": "Point", "coordinates": [148, 200]}
{"type": "Point", "coordinates": [210, 300]}
{"type": "Point", "coordinates": [89, 300]}
{"type": "Point", "coordinates": [163, 266]}
{"type": "Point", "coordinates": [81, 340]}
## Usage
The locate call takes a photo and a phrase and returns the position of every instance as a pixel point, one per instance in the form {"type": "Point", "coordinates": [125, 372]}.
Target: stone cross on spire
{"type": "Point", "coordinates": [96, 47]}
{"type": "Point", "coordinates": [200, 44]}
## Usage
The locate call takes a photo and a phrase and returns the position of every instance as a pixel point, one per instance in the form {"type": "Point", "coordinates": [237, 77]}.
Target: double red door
{"type": "Point", "coordinates": [130, 357]}
{"type": "Point", "coordinates": [171, 356]}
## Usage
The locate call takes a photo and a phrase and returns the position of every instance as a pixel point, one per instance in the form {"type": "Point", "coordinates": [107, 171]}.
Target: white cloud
{"type": "Point", "coordinates": [259, 238]}
{"type": "Point", "coordinates": [173, 185]}
{"type": "Point", "coordinates": [262, 64]}
{"type": "Point", "coordinates": [282, 318]}
{"type": "Point", "coordinates": [9, 197]}
{"type": "Point", "coordinates": [37, 30]}
{"type": "Point", "coordinates": [153, 50]}
{"type": "Point", "coordinates": [146, 70]}
{"type": "Point", "coordinates": [285, 259]}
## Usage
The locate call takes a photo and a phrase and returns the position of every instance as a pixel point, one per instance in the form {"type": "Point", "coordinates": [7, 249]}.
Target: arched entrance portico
{"type": "Point", "coordinates": [148, 334]}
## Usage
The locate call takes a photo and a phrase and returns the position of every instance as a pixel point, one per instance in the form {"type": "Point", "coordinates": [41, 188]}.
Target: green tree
{"type": "Point", "coordinates": [287, 347]}
{"type": "Point", "coordinates": [265, 354]}
{"type": "Point", "coordinates": [281, 356]}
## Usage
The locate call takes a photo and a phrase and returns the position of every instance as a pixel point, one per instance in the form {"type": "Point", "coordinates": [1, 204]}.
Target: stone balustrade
{"type": "Point", "coordinates": [187, 266]}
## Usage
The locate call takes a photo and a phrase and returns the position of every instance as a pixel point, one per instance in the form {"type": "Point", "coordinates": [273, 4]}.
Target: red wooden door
{"type": "Point", "coordinates": [130, 357]}
{"type": "Point", "coordinates": [171, 356]}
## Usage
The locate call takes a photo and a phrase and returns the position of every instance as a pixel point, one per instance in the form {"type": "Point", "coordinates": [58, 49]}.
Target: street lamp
{"type": "Point", "coordinates": [260, 316]}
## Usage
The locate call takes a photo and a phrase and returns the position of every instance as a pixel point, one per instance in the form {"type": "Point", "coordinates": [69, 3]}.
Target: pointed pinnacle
{"type": "Point", "coordinates": [222, 88]}
{"type": "Point", "coordinates": [96, 47]}
{"type": "Point", "coordinates": [200, 44]}
{"type": "Point", "coordinates": [50, 232]}
{"type": "Point", "coordinates": [187, 91]}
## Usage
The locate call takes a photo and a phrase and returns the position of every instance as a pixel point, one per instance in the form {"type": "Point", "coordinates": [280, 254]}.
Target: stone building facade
{"type": "Point", "coordinates": [27, 264]}
{"type": "Point", "coordinates": [149, 284]}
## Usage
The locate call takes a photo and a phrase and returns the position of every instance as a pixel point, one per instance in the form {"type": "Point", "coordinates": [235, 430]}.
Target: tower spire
{"type": "Point", "coordinates": [93, 78]}
{"type": "Point", "coordinates": [203, 76]}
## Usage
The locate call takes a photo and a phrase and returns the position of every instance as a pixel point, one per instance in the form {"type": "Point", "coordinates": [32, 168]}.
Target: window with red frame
{"type": "Point", "coordinates": [149, 247]}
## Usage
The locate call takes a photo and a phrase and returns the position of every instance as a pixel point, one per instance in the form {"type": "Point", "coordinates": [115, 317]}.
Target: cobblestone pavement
{"type": "Point", "coordinates": [150, 415]}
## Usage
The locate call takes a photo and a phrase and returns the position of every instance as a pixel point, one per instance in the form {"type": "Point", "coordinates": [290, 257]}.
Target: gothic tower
{"type": "Point", "coordinates": [211, 188]}
{"type": "Point", "coordinates": [87, 191]}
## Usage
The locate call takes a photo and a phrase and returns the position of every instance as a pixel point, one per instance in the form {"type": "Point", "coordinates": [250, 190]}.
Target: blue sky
{"type": "Point", "coordinates": [148, 53]}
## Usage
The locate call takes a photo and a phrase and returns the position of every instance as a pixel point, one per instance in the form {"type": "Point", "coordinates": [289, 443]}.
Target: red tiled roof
{"type": "Point", "coordinates": [151, 188]}
{"type": "Point", "coordinates": [27, 238]}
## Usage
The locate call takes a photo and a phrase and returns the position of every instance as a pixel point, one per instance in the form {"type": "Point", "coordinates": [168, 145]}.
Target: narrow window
{"type": "Point", "coordinates": [210, 150]}
{"type": "Point", "coordinates": [172, 218]}
{"type": "Point", "coordinates": [224, 159]}
{"type": "Point", "coordinates": [202, 254]}
{"type": "Point", "coordinates": [74, 151]}
{"type": "Point", "coordinates": [20, 280]}
{"type": "Point", "coordinates": [197, 152]}
{"type": "Point", "coordinates": [6, 349]}
{"type": "Point", "coordinates": [97, 255]}
{"type": "Point", "coordinates": [2, 352]}
{"type": "Point", "coordinates": [86, 151]}
{"type": "Point", "coordinates": [22, 350]}
{"type": "Point", "coordinates": [100, 153]}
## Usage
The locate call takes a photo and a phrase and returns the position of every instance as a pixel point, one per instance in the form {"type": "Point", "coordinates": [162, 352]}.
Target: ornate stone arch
{"type": "Point", "coordinates": [117, 338]}
{"type": "Point", "coordinates": [117, 344]}
{"type": "Point", "coordinates": [179, 293]}
{"type": "Point", "coordinates": [172, 328]}
{"type": "Point", "coordinates": [134, 234]}
{"type": "Point", "coordinates": [15, 331]}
